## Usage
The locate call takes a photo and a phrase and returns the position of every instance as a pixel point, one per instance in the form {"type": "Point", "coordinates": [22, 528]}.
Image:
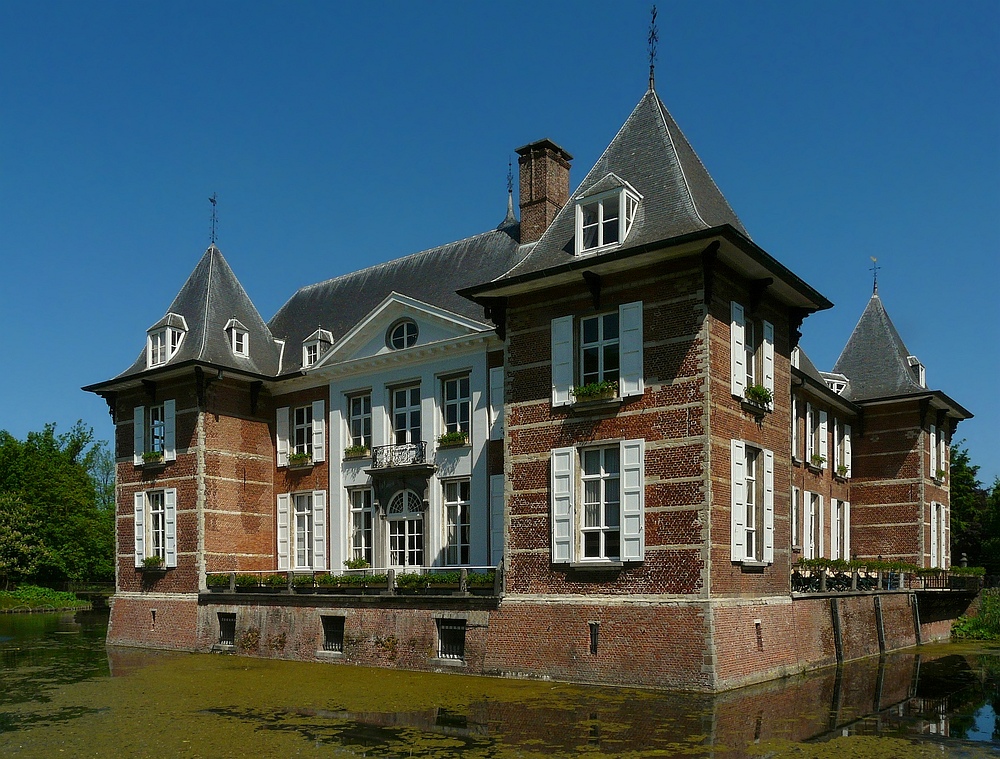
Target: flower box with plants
{"type": "Point", "coordinates": [481, 583]}
{"type": "Point", "coordinates": [410, 582]}
{"type": "Point", "coordinates": [246, 583]}
{"type": "Point", "coordinates": [303, 584]}
{"type": "Point", "coordinates": [453, 440]}
{"type": "Point", "coordinates": [435, 582]}
{"type": "Point", "coordinates": [595, 391]}
{"type": "Point", "coordinates": [842, 471]}
{"type": "Point", "coordinates": [939, 475]}
{"type": "Point", "coordinates": [759, 396]}
{"type": "Point", "coordinates": [153, 564]}
{"type": "Point", "coordinates": [816, 461]}
{"type": "Point", "coordinates": [275, 582]}
{"type": "Point", "coordinates": [299, 460]}
{"type": "Point", "coordinates": [357, 452]}
{"type": "Point", "coordinates": [152, 458]}
{"type": "Point", "coordinates": [218, 583]}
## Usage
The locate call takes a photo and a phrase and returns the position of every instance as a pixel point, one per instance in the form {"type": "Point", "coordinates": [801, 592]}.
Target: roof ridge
{"type": "Point", "coordinates": [660, 108]}
{"type": "Point", "coordinates": [208, 299]}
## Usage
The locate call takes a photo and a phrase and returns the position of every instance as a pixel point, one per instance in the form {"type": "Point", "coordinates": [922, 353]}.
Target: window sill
{"type": "Point", "coordinates": [153, 571]}
{"type": "Point", "coordinates": [814, 468]}
{"type": "Point", "coordinates": [367, 454]}
{"type": "Point", "coordinates": [936, 481]}
{"type": "Point", "coordinates": [596, 405]}
{"type": "Point", "coordinates": [300, 466]}
{"type": "Point", "coordinates": [321, 654]}
{"type": "Point", "coordinates": [452, 446]}
{"type": "Point", "coordinates": [153, 464]}
{"type": "Point", "coordinates": [752, 408]}
{"type": "Point", "coordinates": [596, 565]}
{"type": "Point", "coordinates": [448, 662]}
{"type": "Point", "coordinates": [797, 461]}
{"type": "Point", "coordinates": [754, 567]}
{"type": "Point", "coordinates": [841, 478]}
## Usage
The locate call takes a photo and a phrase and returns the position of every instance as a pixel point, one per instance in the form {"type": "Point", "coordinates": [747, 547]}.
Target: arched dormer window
{"type": "Point", "coordinates": [314, 346]}
{"type": "Point", "coordinates": [164, 339]}
{"type": "Point", "coordinates": [605, 215]}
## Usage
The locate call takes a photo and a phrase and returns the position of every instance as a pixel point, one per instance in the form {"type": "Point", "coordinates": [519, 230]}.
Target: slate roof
{"type": "Point", "coordinates": [431, 276]}
{"type": "Point", "coordinates": [210, 297]}
{"type": "Point", "coordinates": [652, 154]}
{"type": "Point", "coordinates": [875, 358]}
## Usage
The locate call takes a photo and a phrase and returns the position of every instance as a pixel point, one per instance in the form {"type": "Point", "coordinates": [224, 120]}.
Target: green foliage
{"type": "Point", "coordinates": [217, 580]}
{"type": "Point", "coordinates": [150, 457]}
{"type": "Point", "coordinates": [56, 517]}
{"type": "Point", "coordinates": [247, 581]}
{"type": "Point", "coordinates": [34, 597]}
{"type": "Point", "coordinates": [299, 459]}
{"type": "Point", "coordinates": [759, 395]}
{"type": "Point", "coordinates": [986, 624]}
{"type": "Point", "coordinates": [594, 390]}
{"type": "Point", "coordinates": [356, 563]}
{"type": "Point", "coordinates": [443, 578]}
{"type": "Point", "coordinates": [302, 581]}
{"type": "Point", "coordinates": [410, 581]}
{"type": "Point", "coordinates": [481, 579]}
{"type": "Point", "coordinates": [356, 451]}
{"type": "Point", "coordinates": [275, 581]}
{"type": "Point", "coordinates": [453, 439]}
{"type": "Point", "coordinates": [152, 562]}
{"type": "Point", "coordinates": [975, 514]}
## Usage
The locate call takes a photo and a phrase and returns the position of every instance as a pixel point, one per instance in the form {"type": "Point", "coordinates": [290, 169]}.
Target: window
{"type": "Point", "coordinates": [402, 334]}
{"type": "Point", "coordinates": [362, 518]}
{"type": "Point", "coordinates": [796, 450]}
{"type": "Point", "coordinates": [451, 639]}
{"type": "Point", "coordinates": [239, 338]}
{"type": "Point", "coordinates": [301, 533]}
{"type": "Point", "coordinates": [457, 522]}
{"type": "Point", "coordinates": [406, 415]}
{"type": "Point", "coordinates": [840, 529]}
{"type": "Point", "coordinates": [796, 515]}
{"type": "Point", "coordinates": [406, 530]}
{"type": "Point", "coordinates": [939, 541]}
{"type": "Point", "coordinates": [938, 452]}
{"type": "Point", "coordinates": [314, 346]}
{"type": "Point", "coordinates": [751, 351]}
{"type": "Point", "coordinates": [154, 431]}
{"type": "Point", "coordinates": [812, 547]}
{"type": "Point", "coordinates": [227, 628]}
{"type": "Point", "coordinates": [164, 340]}
{"type": "Point", "coordinates": [604, 220]}
{"type": "Point", "coordinates": [359, 419]}
{"type": "Point", "coordinates": [609, 348]}
{"type": "Point", "coordinates": [301, 431]}
{"type": "Point", "coordinates": [156, 526]}
{"type": "Point", "coordinates": [333, 634]}
{"type": "Point", "coordinates": [312, 354]}
{"type": "Point", "coordinates": [752, 508]}
{"type": "Point", "coordinates": [841, 448]}
{"type": "Point", "coordinates": [598, 511]}
{"type": "Point", "coordinates": [457, 404]}
{"type": "Point", "coordinates": [816, 440]}
{"type": "Point", "coordinates": [496, 403]}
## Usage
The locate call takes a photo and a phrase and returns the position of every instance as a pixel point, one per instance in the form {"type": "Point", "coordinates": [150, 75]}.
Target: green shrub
{"type": "Point", "coordinates": [302, 581]}
{"type": "Point", "coordinates": [410, 581]}
{"type": "Point", "coordinates": [482, 579]}
{"type": "Point", "coordinates": [275, 581]}
{"type": "Point", "coordinates": [594, 390]}
{"type": "Point", "coordinates": [247, 581]}
{"type": "Point", "coordinates": [986, 624]}
{"type": "Point", "coordinates": [216, 581]}
{"type": "Point", "coordinates": [443, 578]}
{"type": "Point", "coordinates": [356, 563]}
{"type": "Point", "coordinates": [453, 438]}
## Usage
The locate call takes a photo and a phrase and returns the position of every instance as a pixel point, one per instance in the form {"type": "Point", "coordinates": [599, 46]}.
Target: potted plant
{"type": "Point", "coordinates": [357, 452]}
{"type": "Point", "coordinates": [275, 581]}
{"type": "Point", "coordinates": [818, 459]}
{"type": "Point", "coordinates": [246, 583]}
{"type": "Point", "coordinates": [438, 581]}
{"type": "Point", "coordinates": [759, 395]}
{"type": "Point", "coordinates": [595, 391]}
{"type": "Point", "coordinates": [356, 563]}
{"type": "Point", "coordinates": [151, 458]}
{"type": "Point", "coordinates": [217, 583]}
{"type": "Point", "coordinates": [939, 475]}
{"type": "Point", "coordinates": [842, 470]}
{"type": "Point", "coordinates": [153, 564]}
{"type": "Point", "coordinates": [303, 584]}
{"type": "Point", "coordinates": [453, 439]}
{"type": "Point", "coordinates": [299, 459]}
{"type": "Point", "coordinates": [410, 582]}
{"type": "Point", "coordinates": [481, 583]}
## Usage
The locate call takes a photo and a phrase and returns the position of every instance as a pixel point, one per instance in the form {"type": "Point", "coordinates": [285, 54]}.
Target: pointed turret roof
{"type": "Point", "coordinates": [875, 358]}
{"type": "Point", "coordinates": [653, 156]}
{"type": "Point", "coordinates": [209, 299]}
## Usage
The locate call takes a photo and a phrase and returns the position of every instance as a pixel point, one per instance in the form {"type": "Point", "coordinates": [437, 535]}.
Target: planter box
{"type": "Point", "coordinates": [365, 454]}
{"type": "Point", "coordinates": [218, 588]}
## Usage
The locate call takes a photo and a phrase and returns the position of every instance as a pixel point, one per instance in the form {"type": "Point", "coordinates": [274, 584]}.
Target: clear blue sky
{"type": "Point", "coordinates": [340, 135]}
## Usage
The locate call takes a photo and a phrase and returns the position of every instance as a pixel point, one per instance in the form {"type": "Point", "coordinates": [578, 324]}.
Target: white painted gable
{"type": "Point", "coordinates": [368, 337]}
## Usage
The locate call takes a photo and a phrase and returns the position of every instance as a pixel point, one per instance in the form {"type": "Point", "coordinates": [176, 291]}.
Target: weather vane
{"type": "Point", "coordinates": [874, 270]}
{"type": "Point", "coordinates": [510, 177]}
{"type": "Point", "coordinates": [652, 40]}
{"type": "Point", "coordinates": [215, 218]}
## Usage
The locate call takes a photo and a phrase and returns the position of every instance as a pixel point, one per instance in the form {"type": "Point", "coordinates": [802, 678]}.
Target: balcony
{"type": "Point", "coordinates": [395, 456]}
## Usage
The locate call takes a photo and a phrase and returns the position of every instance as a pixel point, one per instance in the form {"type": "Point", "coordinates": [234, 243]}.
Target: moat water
{"type": "Point", "coordinates": [63, 692]}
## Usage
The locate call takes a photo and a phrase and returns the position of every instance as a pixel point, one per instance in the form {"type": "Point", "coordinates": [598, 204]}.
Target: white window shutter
{"type": "Point", "coordinates": [319, 528]}
{"type": "Point", "coordinates": [283, 504]}
{"type": "Point", "coordinates": [281, 435]}
{"type": "Point", "coordinates": [820, 549]}
{"type": "Point", "coordinates": [170, 526]}
{"type": "Point", "coordinates": [630, 344]}
{"type": "Point", "coordinates": [563, 502]}
{"type": "Point", "coordinates": [807, 526]}
{"type": "Point", "coordinates": [140, 528]}
{"type": "Point", "coordinates": [810, 432]}
{"type": "Point", "coordinates": [846, 548]}
{"type": "Point", "coordinates": [737, 350]}
{"type": "Point", "coordinates": [847, 448]}
{"type": "Point", "coordinates": [824, 442]}
{"type": "Point", "coordinates": [170, 430]}
{"type": "Point", "coordinates": [768, 358]}
{"type": "Point", "coordinates": [562, 360]}
{"type": "Point", "coordinates": [319, 431]}
{"type": "Point", "coordinates": [496, 519]}
{"type": "Point", "coordinates": [633, 497]}
{"type": "Point", "coordinates": [769, 506]}
{"type": "Point", "coordinates": [496, 403]}
{"type": "Point", "coordinates": [795, 428]}
{"type": "Point", "coordinates": [933, 447]}
{"type": "Point", "coordinates": [738, 507]}
{"type": "Point", "coordinates": [934, 535]}
{"type": "Point", "coordinates": [138, 434]}
{"type": "Point", "coordinates": [834, 528]}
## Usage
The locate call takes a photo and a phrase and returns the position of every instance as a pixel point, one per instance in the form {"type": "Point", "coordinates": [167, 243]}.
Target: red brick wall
{"type": "Point", "coordinates": [175, 624]}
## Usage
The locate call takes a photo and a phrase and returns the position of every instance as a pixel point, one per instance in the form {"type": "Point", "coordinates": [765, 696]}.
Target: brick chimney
{"type": "Point", "coordinates": [544, 182]}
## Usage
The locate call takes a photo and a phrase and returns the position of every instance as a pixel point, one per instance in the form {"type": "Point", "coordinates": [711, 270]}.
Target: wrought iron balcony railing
{"type": "Point", "coordinates": [386, 456]}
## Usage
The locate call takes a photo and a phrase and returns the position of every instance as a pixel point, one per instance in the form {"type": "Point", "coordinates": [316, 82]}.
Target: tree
{"type": "Point", "coordinates": [975, 514]}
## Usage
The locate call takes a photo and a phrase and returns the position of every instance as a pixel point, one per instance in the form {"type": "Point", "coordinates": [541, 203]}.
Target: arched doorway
{"type": "Point", "coordinates": [406, 530]}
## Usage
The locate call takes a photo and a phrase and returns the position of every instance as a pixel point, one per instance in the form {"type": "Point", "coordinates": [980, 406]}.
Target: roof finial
{"type": "Point", "coordinates": [215, 219]}
{"type": "Point", "coordinates": [510, 193]}
{"type": "Point", "coordinates": [874, 271]}
{"type": "Point", "coordinates": [652, 40]}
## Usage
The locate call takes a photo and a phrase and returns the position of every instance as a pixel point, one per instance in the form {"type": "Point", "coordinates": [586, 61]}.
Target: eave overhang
{"type": "Point", "coordinates": [736, 250]}
{"type": "Point", "coordinates": [935, 399]}
{"type": "Point", "coordinates": [801, 379]}
{"type": "Point", "coordinates": [172, 371]}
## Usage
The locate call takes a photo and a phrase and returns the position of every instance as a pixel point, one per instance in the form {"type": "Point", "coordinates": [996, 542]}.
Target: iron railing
{"type": "Point", "coordinates": [386, 456]}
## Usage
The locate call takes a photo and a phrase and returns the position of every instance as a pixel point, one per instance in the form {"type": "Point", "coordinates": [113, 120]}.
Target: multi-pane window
{"type": "Point", "coordinates": [157, 536]}
{"type": "Point", "coordinates": [302, 430]}
{"type": "Point", "coordinates": [599, 354]}
{"type": "Point", "coordinates": [406, 530]}
{"type": "Point", "coordinates": [605, 220]}
{"type": "Point", "coordinates": [750, 347]}
{"type": "Point", "coordinates": [240, 342]}
{"type": "Point", "coordinates": [457, 522]}
{"type": "Point", "coordinates": [754, 502]}
{"type": "Point", "coordinates": [362, 518]}
{"type": "Point", "coordinates": [457, 404]}
{"type": "Point", "coordinates": [157, 429]}
{"type": "Point", "coordinates": [303, 523]}
{"type": "Point", "coordinates": [157, 347]}
{"type": "Point", "coordinates": [451, 638]}
{"type": "Point", "coordinates": [359, 418]}
{"type": "Point", "coordinates": [402, 335]}
{"type": "Point", "coordinates": [406, 414]}
{"type": "Point", "coordinates": [815, 525]}
{"type": "Point", "coordinates": [796, 514]}
{"type": "Point", "coordinates": [312, 353]}
{"type": "Point", "coordinates": [601, 530]}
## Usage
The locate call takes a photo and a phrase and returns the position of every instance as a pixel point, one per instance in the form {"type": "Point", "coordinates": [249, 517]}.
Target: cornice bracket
{"type": "Point", "coordinates": [255, 396]}
{"type": "Point", "coordinates": [594, 284]}
{"type": "Point", "coordinates": [150, 387]}
{"type": "Point", "coordinates": [757, 289]}
{"type": "Point", "coordinates": [495, 310]}
{"type": "Point", "coordinates": [708, 257]}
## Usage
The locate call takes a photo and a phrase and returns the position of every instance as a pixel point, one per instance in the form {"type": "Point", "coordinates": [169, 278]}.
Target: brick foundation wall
{"type": "Point", "coordinates": [174, 626]}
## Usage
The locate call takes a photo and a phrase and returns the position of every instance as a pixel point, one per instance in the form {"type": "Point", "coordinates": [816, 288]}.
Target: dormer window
{"type": "Point", "coordinates": [402, 334]}
{"type": "Point", "coordinates": [918, 369]}
{"type": "Point", "coordinates": [605, 219]}
{"type": "Point", "coordinates": [239, 338]}
{"type": "Point", "coordinates": [314, 346]}
{"type": "Point", "coordinates": [164, 339]}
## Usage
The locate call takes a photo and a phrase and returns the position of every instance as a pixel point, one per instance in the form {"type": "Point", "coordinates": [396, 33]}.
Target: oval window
{"type": "Point", "coordinates": [402, 335]}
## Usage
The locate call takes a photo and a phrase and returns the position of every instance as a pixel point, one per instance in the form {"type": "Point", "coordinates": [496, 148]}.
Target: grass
{"type": "Point", "coordinates": [33, 597]}
{"type": "Point", "coordinates": [986, 624]}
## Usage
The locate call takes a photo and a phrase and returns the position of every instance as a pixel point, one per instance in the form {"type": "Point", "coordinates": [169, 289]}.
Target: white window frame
{"type": "Point", "coordinates": [239, 338]}
{"type": "Point", "coordinates": [289, 529]}
{"type": "Point", "coordinates": [362, 526]}
{"type": "Point", "coordinates": [606, 480]}
{"type": "Point", "coordinates": [302, 427]}
{"type": "Point", "coordinates": [142, 438]}
{"type": "Point", "coordinates": [763, 353]}
{"type": "Point", "coordinates": [410, 517]}
{"type": "Point", "coordinates": [840, 529]}
{"type": "Point", "coordinates": [601, 344]}
{"type": "Point", "coordinates": [566, 503]}
{"type": "Point", "coordinates": [457, 522]}
{"type": "Point", "coordinates": [162, 345]}
{"type": "Point", "coordinates": [796, 517]}
{"type": "Point", "coordinates": [310, 353]}
{"type": "Point", "coordinates": [359, 419]}
{"type": "Point", "coordinates": [148, 534]}
{"type": "Point", "coordinates": [628, 205]}
{"type": "Point", "coordinates": [812, 528]}
{"type": "Point", "coordinates": [314, 347]}
{"type": "Point", "coordinates": [460, 405]}
{"type": "Point", "coordinates": [763, 482]}
{"type": "Point", "coordinates": [312, 440]}
{"type": "Point", "coordinates": [796, 438]}
{"type": "Point", "coordinates": [407, 433]}
{"type": "Point", "coordinates": [402, 334]}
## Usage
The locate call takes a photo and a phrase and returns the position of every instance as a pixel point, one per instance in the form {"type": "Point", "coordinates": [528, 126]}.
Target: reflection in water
{"type": "Point", "coordinates": [57, 696]}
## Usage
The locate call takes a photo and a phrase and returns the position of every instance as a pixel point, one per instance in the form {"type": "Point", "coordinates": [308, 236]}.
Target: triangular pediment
{"type": "Point", "coordinates": [372, 336]}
